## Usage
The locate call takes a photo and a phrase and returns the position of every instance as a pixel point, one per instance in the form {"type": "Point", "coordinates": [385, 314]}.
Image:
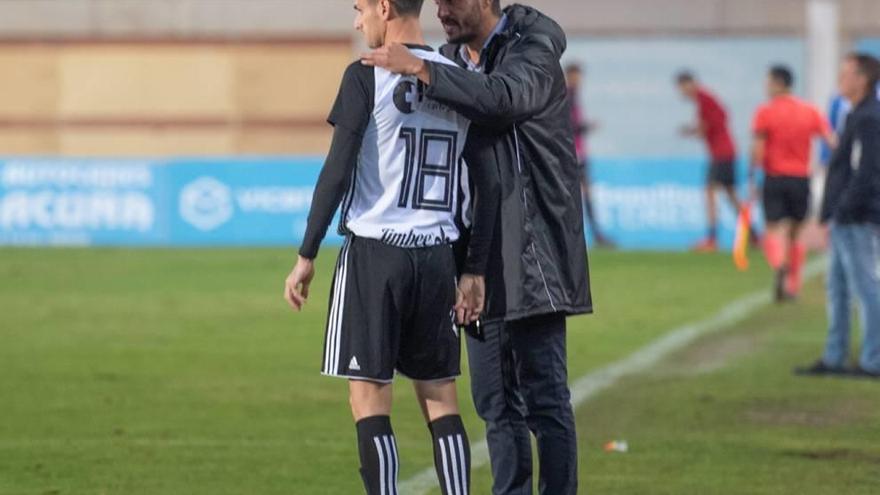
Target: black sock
{"type": "Point", "coordinates": [452, 455]}
{"type": "Point", "coordinates": [378, 451]}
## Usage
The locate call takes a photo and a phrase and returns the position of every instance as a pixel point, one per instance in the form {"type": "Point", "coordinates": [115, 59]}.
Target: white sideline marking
{"type": "Point", "coordinates": [589, 385]}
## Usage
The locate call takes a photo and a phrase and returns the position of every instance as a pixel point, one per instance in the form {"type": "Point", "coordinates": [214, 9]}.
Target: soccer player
{"type": "Point", "coordinates": [396, 166]}
{"type": "Point", "coordinates": [510, 83]}
{"type": "Point", "coordinates": [783, 132]}
{"type": "Point", "coordinates": [712, 128]}
{"type": "Point", "coordinates": [582, 128]}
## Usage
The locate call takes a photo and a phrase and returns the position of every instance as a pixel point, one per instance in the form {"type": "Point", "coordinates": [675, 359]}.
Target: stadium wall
{"type": "Point", "coordinates": [164, 97]}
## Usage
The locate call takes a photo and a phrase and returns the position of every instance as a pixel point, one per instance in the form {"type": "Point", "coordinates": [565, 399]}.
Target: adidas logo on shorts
{"type": "Point", "coordinates": [353, 364]}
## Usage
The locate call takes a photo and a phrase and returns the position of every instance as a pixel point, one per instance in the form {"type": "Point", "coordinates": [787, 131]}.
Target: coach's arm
{"type": "Point", "coordinates": [518, 88]}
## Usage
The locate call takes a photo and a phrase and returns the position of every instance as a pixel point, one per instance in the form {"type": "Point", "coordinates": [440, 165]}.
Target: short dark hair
{"type": "Point", "coordinates": [685, 76]}
{"type": "Point", "coordinates": [868, 66]}
{"type": "Point", "coordinates": [496, 7]}
{"type": "Point", "coordinates": [407, 7]}
{"type": "Point", "coordinates": [782, 75]}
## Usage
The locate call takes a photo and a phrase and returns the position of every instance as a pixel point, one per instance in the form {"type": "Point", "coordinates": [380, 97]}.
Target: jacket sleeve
{"type": "Point", "coordinates": [857, 194]}
{"type": "Point", "coordinates": [484, 175]}
{"type": "Point", "coordinates": [518, 88]}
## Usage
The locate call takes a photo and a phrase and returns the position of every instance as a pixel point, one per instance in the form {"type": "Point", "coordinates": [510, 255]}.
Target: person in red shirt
{"type": "Point", "coordinates": [582, 128]}
{"type": "Point", "coordinates": [712, 128]}
{"type": "Point", "coordinates": [784, 129]}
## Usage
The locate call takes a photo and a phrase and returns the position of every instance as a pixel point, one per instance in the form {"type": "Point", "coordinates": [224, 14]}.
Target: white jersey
{"type": "Point", "coordinates": [410, 183]}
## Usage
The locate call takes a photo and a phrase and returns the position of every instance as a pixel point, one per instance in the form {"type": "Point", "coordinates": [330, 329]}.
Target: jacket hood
{"type": "Point", "coordinates": [523, 19]}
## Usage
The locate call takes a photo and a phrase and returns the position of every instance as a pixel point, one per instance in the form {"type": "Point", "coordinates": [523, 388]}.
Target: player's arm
{"type": "Point", "coordinates": [694, 130]}
{"type": "Point", "coordinates": [349, 117]}
{"type": "Point", "coordinates": [758, 152]}
{"type": "Point", "coordinates": [484, 175]}
{"type": "Point", "coordinates": [516, 90]}
{"type": "Point", "coordinates": [825, 132]}
{"type": "Point", "coordinates": [857, 193]}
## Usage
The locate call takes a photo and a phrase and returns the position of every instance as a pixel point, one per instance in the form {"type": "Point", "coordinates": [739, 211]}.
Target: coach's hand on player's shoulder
{"type": "Point", "coordinates": [398, 59]}
{"type": "Point", "coordinates": [471, 298]}
{"type": "Point", "coordinates": [296, 287]}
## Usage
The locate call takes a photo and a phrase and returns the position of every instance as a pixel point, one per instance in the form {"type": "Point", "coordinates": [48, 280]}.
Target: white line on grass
{"type": "Point", "coordinates": [589, 385]}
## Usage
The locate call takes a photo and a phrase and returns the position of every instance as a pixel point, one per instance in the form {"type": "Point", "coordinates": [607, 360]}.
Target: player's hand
{"type": "Point", "coordinates": [471, 299]}
{"type": "Point", "coordinates": [395, 58]}
{"type": "Point", "coordinates": [296, 287]}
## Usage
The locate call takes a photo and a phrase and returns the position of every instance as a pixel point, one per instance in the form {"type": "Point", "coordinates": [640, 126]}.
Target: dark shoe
{"type": "Point", "coordinates": [859, 372]}
{"type": "Point", "coordinates": [819, 368]}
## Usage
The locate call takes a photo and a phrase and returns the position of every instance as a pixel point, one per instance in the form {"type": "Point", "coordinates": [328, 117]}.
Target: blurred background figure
{"type": "Point", "coordinates": [784, 129]}
{"type": "Point", "coordinates": [711, 126]}
{"type": "Point", "coordinates": [583, 127]}
{"type": "Point", "coordinates": [851, 206]}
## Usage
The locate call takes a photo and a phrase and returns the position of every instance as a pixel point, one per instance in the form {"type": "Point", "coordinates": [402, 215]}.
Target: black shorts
{"type": "Point", "coordinates": [722, 173]}
{"type": "Point", "coordinates": [786, 198]}
{"type": "Point", "coordinates": [392, 309]}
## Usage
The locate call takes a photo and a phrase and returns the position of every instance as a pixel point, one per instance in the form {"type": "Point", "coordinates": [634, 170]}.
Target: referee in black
{"type": "Point", "coordinates": [511, 84]}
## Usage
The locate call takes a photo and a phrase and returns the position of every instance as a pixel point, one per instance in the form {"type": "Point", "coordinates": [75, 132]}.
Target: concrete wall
{"type": "Point", "coordinates": [156, 77]}
{"type": "Point", "coordinates": [130, 98]}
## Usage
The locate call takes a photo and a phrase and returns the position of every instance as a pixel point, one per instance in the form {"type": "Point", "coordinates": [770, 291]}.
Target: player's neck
{"type": "Point", "coordinates": [475, 46]}
{"type": "Point", "coordinates": [405, 30]}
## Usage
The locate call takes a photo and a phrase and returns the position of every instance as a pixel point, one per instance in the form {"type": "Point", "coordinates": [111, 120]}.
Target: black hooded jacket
{"type": "Point", "coordinates": [538, 261]}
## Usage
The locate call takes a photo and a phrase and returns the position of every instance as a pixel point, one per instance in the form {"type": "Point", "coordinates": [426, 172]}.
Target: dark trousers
{"type": "Point", "coordinates": [519, 381]}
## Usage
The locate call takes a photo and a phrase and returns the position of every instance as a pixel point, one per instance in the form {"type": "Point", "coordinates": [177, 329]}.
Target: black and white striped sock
{"type": "Point", "coordinates": [452, 455]}
{"type": "Point", "coordinates": [378, 452]}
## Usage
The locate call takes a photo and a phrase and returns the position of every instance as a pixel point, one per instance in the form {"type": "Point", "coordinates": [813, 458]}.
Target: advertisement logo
{"type": "Point", "coordinates": [206, 203]}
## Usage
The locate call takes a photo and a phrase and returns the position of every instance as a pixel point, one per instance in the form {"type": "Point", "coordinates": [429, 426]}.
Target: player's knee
{"type": "Point", "coordinates": [368, 399]}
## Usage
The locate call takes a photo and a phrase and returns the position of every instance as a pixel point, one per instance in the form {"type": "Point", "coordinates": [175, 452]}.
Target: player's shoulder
{"type": "Point", "coordinates": [358, 73]}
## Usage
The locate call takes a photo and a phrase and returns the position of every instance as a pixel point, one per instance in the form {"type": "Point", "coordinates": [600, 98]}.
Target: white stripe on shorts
{"type": "Point", "coordinates": [334, 319]}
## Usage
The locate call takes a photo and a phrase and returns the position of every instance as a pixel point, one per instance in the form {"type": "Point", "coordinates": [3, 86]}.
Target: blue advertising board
{"type": "Point", "coordinates": [642, 203]}
{"type": "Point", "coordinates": [196, 202]}
{"type": "Point", "coordinates": [659, 203]}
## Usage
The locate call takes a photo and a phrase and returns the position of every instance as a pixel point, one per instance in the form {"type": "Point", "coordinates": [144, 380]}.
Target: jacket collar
{"type": "Point", "coordinates": [484, 52]}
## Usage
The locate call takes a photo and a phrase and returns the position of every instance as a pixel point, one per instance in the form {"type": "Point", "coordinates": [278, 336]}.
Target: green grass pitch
{"type": "Point", "coordinates": [184, 372]}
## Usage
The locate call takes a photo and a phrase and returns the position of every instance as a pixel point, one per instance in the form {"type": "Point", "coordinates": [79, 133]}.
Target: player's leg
{"type": "Point", "coordinates": [732, 198]}
{"type": "Point", "coordinates": [361, 345]}
{"type": "Point", "coordinates": [839, 309]}
{"type": "Point", "coordinates": [865, 274]}
{"type": "Point", "coordinates": [430, 354]}
{"type": "Point", "coordinates": [377, 446]}
{"type": "Point", "coordinates": [589, 208]}
{"type": "Point", "coordinates": [452, 454]}
{"type": "Point", "coordinates": [775, 239]}
{"type": "Point", "coordinates": [711, 241]}
{"type": "Point", "coordinates": [797, 257]}
{"type": "Point", "coordinates": [798, 198]}
{"type": "Point", "coordinates": [539, 345]}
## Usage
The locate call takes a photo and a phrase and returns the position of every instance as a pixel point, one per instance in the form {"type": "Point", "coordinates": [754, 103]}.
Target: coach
{"type": "Point", "coordinates": [852, 208]}
{"type": "Point", "coordinates": [514, 89]}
